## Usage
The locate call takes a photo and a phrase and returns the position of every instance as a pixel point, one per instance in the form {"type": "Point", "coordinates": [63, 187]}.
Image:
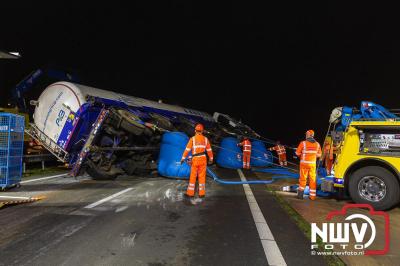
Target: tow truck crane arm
{"type": "Point", "coordinates": [342, 116]}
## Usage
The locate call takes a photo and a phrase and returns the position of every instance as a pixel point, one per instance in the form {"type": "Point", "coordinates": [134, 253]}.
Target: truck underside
{"type": "Point", "coordinates": [125, 146]}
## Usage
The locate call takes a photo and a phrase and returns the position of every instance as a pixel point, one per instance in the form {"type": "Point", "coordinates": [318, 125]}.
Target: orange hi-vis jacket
{"type": "Point", "coordinates": [328, 151]}
{"type": "Point", "coordinates": [246, 144]}
{"type": "Point", "coordinates": [199, 145]}
{"type": "Point", "coordinates": [309, 152]}
{"type": "Point", "coordinates": [280, 149]}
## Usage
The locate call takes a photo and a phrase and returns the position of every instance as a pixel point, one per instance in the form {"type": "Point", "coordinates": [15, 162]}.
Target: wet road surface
{"type": "Point", "coordinates": [147, 221]}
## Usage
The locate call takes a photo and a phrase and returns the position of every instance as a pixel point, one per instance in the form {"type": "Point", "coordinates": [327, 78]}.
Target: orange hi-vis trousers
{"type": "Point", "coordinates": [328, 165]}
{"type": "Point", "coordinates": [246, 159]}
{"type": "Point", "coordinates": [198, 170]}
{"type": "Point", "coordinates": [282, 159]}
{"type": "Point", "coordinates": [308, 170]}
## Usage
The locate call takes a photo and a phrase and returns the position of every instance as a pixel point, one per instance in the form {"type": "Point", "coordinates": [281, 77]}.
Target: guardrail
{"type": "Point", "coordinates": [37, 158]}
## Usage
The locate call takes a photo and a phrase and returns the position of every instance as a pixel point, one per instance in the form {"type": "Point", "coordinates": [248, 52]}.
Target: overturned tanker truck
{"type": "Point", "coordinates": [108, 134]}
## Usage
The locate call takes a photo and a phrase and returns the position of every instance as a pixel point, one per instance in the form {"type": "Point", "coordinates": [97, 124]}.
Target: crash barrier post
{"type": "Point", "coordinates": [33, 158]}
{"type": "Point", "coordinates": [11, 149]}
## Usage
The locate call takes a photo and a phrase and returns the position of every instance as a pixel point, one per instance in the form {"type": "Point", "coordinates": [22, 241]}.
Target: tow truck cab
{"type": "Point", "coordinates": [367, 163]}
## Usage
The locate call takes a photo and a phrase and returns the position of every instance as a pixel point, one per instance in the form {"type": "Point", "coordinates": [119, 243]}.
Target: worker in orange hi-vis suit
{"type": "Point", "coordinates": [281, 151]}
{"type": "Point", "coordinates": [246, 144]}
{"type": "Point", "coordinates": [308, 151]}
{"type": "Point", "coordinates": [200, 146]}
{"type": "Point", "coordinates": [328, 155]}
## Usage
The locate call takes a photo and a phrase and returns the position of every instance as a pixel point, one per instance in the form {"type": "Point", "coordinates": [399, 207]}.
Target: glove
{"type": "Point", "coordinates": [210, 162]}
{"type": "Point", "coordinates": [182, 161]}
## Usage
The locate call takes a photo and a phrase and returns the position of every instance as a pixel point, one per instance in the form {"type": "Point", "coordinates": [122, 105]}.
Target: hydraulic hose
{"type": "Point", "coordinates": [280, 173]}
{"type": "Point", "coordinates": [283, 176]}
{"type": "Point", "coordinates": [227, 182]}
{"type": "Point", "coordinates": [276, 171]}
{"type": "Point", "coordinates": [259, 159]}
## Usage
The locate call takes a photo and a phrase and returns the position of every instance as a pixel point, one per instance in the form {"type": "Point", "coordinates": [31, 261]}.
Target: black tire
{"type": "Point", "coordinates": [98, 174]}
{"type": "Point", "coordinates": [130, 122]}
{"type": "Point", "coordinates": [226, 131]}
{"type": "Point", "coordinates": [127, 121]}
{"type": "Point", "coordinates": [342, 194]}
{"type": "Point", "coordinates": [390, 198]}
{"type": "Point", "coordinates": [186, 126]}
{"type": "Point", "coordinates": [162, 122]}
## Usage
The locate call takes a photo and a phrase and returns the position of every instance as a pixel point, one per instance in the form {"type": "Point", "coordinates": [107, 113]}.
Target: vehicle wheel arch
{"type": "Point", "coordinates": [369, 162]}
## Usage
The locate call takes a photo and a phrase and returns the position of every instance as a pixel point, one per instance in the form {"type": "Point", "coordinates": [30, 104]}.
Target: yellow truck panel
{"type": "Point", "coordinates": [350, 153]}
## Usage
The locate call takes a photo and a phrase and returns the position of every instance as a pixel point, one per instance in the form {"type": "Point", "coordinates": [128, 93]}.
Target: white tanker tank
{"type": "Point", "coordinates": [59, 100]}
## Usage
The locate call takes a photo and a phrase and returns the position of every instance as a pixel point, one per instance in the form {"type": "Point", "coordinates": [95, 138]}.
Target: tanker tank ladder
{"type": "Point", "coordinates": [47, 142]}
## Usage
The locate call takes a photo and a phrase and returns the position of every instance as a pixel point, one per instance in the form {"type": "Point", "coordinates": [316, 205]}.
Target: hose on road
{"type": "Point", "coordinates": [228, 182]}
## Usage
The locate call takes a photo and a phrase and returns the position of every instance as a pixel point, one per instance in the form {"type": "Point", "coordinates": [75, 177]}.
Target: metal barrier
{"type": "Point", "coordinates": [11, 149]}
{"type": "Point", "coordinates": [34, 158]}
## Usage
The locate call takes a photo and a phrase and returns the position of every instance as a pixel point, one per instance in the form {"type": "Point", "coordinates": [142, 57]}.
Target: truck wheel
{"type": "Point", "coordinates": [376, 186]}
{"type": "Point", "coordinates": [186, 126]}
{"type": "Point", "coordinates": [129, 122]}
{"type": "Point", "coordinates": [162, 122]}
{"type": "Point", "coordinates": [99, 174]}
{"type": "Point", "coordinates": [99, 170]}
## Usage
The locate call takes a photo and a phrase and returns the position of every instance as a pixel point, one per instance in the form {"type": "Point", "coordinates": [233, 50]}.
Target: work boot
{"type": "Point", "coordinates": [300, 194]}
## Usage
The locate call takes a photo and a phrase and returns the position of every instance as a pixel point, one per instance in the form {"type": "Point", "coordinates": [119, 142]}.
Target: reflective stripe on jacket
{"type": "Point", "coordinates": [246, 144]}
{"type": "Point", "coordinates": [280, 149]}
{"type": "Point", "coordinates": [309, 152]}
{"type": "Point", "coordinates": [198, 144]}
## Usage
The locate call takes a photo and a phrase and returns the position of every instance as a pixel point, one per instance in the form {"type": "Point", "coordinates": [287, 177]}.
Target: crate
{"type": "Point", "coordinates": [11, 149]}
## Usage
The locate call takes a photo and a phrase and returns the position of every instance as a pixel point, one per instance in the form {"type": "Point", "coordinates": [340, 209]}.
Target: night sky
{"type": "Point", "coordinates": [280, 67]}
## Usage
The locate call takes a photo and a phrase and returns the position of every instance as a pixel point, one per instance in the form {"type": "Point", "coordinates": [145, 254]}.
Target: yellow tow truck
{"type": "Point", "coordinates": [367, 162]}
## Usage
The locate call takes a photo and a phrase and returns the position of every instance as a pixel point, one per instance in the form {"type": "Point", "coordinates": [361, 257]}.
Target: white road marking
{"type": "Point", "coordinates": [271, 249]}
{"type": "Point", "coordinates": [42, 178]}
{"type": "Point", "coordinates": [97, 203]}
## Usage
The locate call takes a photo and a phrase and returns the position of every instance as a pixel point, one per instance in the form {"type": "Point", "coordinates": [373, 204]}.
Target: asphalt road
{"type": "Point", "coordinates": [145, 221]}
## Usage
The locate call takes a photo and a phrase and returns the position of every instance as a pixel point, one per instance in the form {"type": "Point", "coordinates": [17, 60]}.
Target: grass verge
{"type": "Point", "coordinates": [305, 227]}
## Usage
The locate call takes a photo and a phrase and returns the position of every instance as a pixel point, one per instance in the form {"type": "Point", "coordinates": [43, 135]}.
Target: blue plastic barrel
{"type": "Point", "coordinates": [229, 154]}
{"type": "Point", "coordinates": [172, 146]}
{"type": "Point", "coordinates": [260, 156]}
